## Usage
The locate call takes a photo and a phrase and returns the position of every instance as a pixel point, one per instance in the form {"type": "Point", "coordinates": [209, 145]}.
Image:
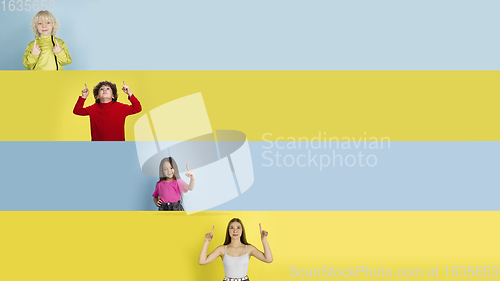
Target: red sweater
{"type": "Point", "coordinates": [107, 120]}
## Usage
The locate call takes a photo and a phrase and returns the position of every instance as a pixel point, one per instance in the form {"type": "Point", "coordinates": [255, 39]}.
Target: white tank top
{"type": "Point", "coordinates": [235, 267]}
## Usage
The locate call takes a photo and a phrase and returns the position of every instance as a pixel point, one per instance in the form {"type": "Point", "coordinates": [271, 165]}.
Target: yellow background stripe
{"type": "Point", "coordinates": [400, 105]}
{"type": "Point", "coordinates": [166, 245]}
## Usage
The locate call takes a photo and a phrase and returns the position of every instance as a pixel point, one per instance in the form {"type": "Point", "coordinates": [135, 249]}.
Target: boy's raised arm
{"type": "Point", "coordinates": [30, 60]}
{"type": "Point", "coordinates": [63, 56]}
{"type": "Point", "coordinates": [136, 105]}
{"type": "Point", "coordinates": [79, 110]}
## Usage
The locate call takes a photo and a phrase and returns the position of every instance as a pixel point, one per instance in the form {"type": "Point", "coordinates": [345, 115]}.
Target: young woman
{"type": "Point", "coordinates": [236, 251]}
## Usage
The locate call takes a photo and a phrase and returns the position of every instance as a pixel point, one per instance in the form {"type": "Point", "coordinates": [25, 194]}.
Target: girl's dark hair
{"type": "Point", "coordinates": [243, 237]}
{"type": "Point", "coordinates": [173, 164]}
{"type": "Point", "coordinates": [107, 83]}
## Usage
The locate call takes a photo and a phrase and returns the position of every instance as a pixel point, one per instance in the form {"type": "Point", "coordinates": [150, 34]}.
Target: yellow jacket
{"type": "Point", "coordinates": [46, 60]}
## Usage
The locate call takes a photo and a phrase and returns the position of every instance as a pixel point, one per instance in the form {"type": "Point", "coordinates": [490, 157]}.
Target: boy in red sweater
{"type": "Point", "coordinates": [107, 116]}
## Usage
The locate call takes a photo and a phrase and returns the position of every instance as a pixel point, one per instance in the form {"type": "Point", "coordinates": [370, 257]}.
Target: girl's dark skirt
{"type": "Point", "coordinates": [171, 206]}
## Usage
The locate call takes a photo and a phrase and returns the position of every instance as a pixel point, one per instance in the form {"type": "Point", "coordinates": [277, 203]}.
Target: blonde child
{"type": "Point", "coordinates": [46, 52]}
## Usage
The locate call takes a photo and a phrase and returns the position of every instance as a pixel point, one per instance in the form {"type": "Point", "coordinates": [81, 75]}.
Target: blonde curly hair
{"type": "Point", "coordinates": [44, 15]}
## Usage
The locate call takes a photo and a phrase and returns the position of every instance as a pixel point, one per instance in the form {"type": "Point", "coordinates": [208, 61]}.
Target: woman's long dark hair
{"type": "Point", "coordinates": [243, 237]}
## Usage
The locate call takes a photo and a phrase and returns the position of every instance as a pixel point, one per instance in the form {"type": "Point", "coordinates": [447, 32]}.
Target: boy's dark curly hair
{"type": "Point", "coordinates": [107, 83]}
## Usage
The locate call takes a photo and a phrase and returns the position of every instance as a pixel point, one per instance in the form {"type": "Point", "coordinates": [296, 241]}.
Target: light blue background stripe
{"type": "Point", "coordinates": [267, 35]}
{"type": "Point", "coordinates": [409, 176]}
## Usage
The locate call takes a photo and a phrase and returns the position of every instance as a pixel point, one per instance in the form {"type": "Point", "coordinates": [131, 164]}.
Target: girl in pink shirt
{"type": "Point", "coordinates": [169, 189]}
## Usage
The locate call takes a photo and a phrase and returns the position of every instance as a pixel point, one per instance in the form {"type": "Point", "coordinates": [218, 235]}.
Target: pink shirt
{"type": "Point", "coordinates": [170, 191]}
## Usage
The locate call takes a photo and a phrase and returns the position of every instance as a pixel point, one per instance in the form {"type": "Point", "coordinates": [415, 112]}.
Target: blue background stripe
{"type": "Point", "coordinates": [408, 176]}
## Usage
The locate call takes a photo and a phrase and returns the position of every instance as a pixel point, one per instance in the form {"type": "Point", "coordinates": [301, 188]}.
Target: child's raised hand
{"type": "Point", "coordinates": [126, 89]}
{"type": "Point", "coordinates": [36, 50]}
{"type": "Point", "coordinates": [56, 48]}
{"type": "Point", "coordinates": [158, 203]}
{"type": "Point", "coordinates": [189, 174]}
{"type": "Point", "coordinates": [263, 233]}
{"type": "Point", "coordinates": [85, 92]}
{"type": "Point", "coordinates": [210, 235]}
